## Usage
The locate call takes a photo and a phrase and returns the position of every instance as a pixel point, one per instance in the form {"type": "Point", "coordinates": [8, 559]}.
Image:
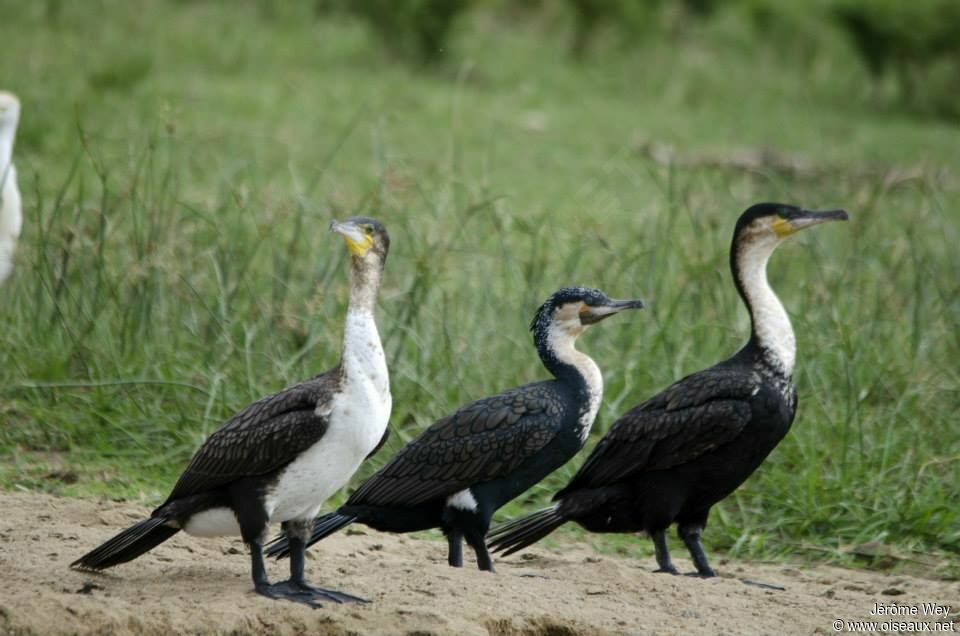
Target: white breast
{"type": "Point", "coordinates": [594, 379]}
{"type": "Point", "coordinates": [358, 418]}
{"type": "Point", "coordinates": [356, 425]}
{"type": "Point", "coordinates": [358, 415]}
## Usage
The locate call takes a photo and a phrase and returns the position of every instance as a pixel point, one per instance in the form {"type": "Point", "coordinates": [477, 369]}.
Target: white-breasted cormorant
{"type": "Point", "coordinates": [671, 458]}
{"type": "Point", "coordinates": [462, 468]}
{"type": "Point", "coordinates": [11, 216]}
{"type": "Point", "coordinates": [281, 457]}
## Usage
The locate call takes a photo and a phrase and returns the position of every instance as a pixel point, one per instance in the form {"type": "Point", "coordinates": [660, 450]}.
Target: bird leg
{"type": "Point", "coordinates": [283, 590]}
{"type": "Point", "coordinates": [484, 562]}
{"type": "Point", "coordinates": [294, 589]}
{"type": "Point", "coordinates": [298, 552]}
{"type": "Point", "coordinates": [662, 552]}
{"type": "Point", "coordinates": [455, 548]}
{"type": "Point", "coordinates": [691, 538]}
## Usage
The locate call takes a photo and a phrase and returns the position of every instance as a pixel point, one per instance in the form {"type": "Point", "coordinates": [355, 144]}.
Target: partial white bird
{"type": "Point", "coordinates": [11, 217]}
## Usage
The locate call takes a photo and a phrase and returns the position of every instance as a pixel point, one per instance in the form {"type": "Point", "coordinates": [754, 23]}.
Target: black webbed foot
{"type": "Point", "coordinates": [669, 569]}
{"type": "Point", "coordinates": [295, 589]}
{"type": "Point", "coordinates": [286, 591]}
{"type": "Point", "coordinates": [331, 595]}
{"type": "Point", "coordinates": [305, 594]}
{"type": "Point", "coordinates": [708, 574]}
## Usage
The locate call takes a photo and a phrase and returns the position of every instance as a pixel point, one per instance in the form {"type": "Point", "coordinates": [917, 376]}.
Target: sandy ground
{"type": "Point", "coordinates": [202, 586]}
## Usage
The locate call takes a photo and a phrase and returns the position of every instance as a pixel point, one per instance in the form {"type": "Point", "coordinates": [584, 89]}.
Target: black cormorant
{"type": "Point", "coordinates": [281, 457]}
{"type": "Point", "coordinates": [674, 456]}
{"type": "Point", "coordinates": [468, 464]}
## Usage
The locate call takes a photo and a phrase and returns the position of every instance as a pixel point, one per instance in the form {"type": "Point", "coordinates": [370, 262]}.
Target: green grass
{"type": "Point", "coordinates": [180, 162]}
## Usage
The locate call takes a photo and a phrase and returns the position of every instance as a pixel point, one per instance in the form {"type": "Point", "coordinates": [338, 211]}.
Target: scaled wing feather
{"type": "Point", "coordinates": [691, 417]}
{"type": "Point", "coordinates": [263, 437]}
{"type": "Point", "coordinates": [482, 441]}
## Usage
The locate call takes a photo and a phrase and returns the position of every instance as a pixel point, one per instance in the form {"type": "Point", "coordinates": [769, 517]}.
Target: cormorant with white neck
{"type": "Point", "coordinates": [11, 216]}
{"type": "Point", "coordinates": [468, 464]}
{"type": "Point", "coordinates": [670, 459]}
{"type": "Point", "coordinates": [281, 457]}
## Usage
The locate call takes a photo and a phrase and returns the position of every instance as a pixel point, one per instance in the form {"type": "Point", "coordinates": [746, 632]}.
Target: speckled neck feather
{"type": "Point", "coordinates": [362, 349]}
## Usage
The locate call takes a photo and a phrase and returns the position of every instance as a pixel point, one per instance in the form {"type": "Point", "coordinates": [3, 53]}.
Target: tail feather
{"type": "Point", "coordinates": [128, 545]}
{"type": "Point", "coordinates": [520, 533]}
{"type": "Point", "coordinates": [323, 527]}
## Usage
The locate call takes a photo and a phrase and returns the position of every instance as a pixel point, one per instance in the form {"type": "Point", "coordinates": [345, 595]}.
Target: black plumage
{"type": "Point", "coordinates": [465, 466]}
{"type": "Point", "coordinates": [482, 441]}
{"type": "Point", "coordinates": [266, 435]}
{"type": "Point", "coordinates": [671, 458]}
{"type": "Point", "coordinates": [250, 447]}
{"type": "Point", "coordinates": [241, 478]}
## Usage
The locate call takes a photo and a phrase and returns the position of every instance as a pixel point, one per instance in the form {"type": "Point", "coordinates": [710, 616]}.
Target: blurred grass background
{"type": "Point", "coordinates": [180, 161]}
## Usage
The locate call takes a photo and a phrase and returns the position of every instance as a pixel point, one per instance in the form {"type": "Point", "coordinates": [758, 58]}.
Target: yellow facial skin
{"type": "Point", "coordinates": [783, 227]}
{"type": "Point", "coordinates": [359, 238]}
{"type": "Point", "coordinates": [358, 247]}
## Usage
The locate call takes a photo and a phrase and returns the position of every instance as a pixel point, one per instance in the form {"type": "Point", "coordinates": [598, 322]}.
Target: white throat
{"type": "Point", "coordinates": [362, 350]}
{"type": "Point", "coordinates": [770, 320]}
{"type": "Point", "coordinates": [561, 340]}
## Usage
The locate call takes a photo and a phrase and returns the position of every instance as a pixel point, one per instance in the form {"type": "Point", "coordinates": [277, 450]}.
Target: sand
{"type": "Point", "coordinates": [202, 586]}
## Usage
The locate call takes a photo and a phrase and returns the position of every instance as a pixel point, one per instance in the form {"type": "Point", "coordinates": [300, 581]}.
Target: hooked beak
{"type": "Point", "coordinates": [806, 218]}
{"type": "Point", "coordinates": [356, 239]}
{"type": "Point", "coordinates": [592, 315]}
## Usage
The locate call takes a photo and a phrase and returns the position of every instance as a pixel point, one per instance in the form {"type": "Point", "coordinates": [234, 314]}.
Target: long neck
{"type": "Point", "coordinates": [362, 350]}
{"type": "Point", "coordinates": [771, 330]}
{"type": "Point", "coordinates": [576, 369]}
{"type": "Point", "coordinates": [364, 284]}
{"type": "Point", "coordinates": [561, 358]}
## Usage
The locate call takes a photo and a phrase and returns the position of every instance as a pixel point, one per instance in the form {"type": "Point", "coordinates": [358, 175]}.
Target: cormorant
{"type": "Point", "coordinates": [671, 458]}
{"type": "Point", "coordinates": [11, 217]}
{"type": "Point", "coordinates": [462, 468]}
{"type": "Point", "coordinates": [281, 457]}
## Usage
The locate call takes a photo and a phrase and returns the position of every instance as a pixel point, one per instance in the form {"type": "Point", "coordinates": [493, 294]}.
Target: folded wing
{"type": "Point", "coordinates": [480, 442]}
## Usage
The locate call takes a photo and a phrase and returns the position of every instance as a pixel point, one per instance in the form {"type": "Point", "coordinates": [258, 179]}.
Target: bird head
{"type": "Point", "coordinates": [366, 238]}
{"type": "Point", "coordinates": [769, 224]}
{"type": "Point", "coordinates": [569, 311]}
{"type": "Point", "coordinates": [9, 110]}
